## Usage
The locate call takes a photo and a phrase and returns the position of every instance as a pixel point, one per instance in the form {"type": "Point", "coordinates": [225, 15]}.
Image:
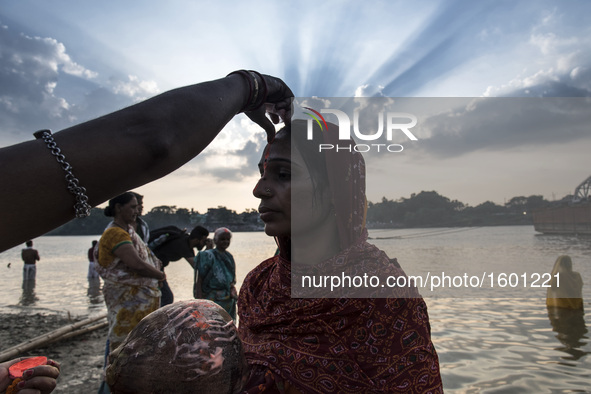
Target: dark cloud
{"type": "Point", "coordinates": [42, 87]}
{"type": "Point", "coordinates": [29, 73]}
{"type": "Point", "coordinates": [495, 124]}
{"type": "Point", "coordinates": [451, 127]}
{"type": "Point", "coordinates": [565, 88]}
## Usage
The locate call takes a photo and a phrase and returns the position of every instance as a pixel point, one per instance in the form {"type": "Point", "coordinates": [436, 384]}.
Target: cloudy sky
{"type": "Point", "coordinates": [64, 62]}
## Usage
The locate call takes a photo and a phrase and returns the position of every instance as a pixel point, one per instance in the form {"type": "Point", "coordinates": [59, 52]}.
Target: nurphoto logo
{"type": "Point", "coordinates": [315, 116]}
{"type": "Point", "coordinates": [396, 122]}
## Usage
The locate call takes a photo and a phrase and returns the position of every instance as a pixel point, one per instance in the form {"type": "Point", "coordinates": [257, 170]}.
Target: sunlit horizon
{"type": "Point", "coordinates": [64, 63]}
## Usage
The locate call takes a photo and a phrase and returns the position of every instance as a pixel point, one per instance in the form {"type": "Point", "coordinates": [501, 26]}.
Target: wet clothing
{"type": "Point", "coordinates": [566, 286]}
{"type": "Point", "coordinates": [92, 274]}
{"type": "Point", "coordinates": [29, 272]}
{"type": "Point", "coordinates": [30, 257]}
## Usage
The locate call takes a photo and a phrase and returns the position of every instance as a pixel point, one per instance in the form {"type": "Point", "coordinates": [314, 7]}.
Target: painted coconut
{"type": "Point", "coordinates": [187, 347]}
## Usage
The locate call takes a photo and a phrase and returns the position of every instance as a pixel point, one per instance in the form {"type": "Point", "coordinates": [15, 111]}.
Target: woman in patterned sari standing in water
{"type": "Point", "coordinates": [129, 270]}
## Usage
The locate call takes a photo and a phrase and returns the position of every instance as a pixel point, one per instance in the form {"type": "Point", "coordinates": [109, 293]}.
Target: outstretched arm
{"type": "Point", "coordinates": [121, 151]}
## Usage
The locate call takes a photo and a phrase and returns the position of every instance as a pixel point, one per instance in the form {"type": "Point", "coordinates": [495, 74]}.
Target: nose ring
{"type": "Point", "coordinates": [268, 191]}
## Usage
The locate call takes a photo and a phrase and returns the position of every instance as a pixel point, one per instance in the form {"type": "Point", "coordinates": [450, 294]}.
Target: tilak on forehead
{"type": "Point", "coordinates": [266, 155]}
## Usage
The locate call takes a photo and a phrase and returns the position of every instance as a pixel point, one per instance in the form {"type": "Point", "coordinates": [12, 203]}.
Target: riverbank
{"type": "Point", "coordinates": [81, 357]}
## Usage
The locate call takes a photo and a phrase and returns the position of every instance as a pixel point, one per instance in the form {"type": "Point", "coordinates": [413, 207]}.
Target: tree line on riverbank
{"type": "Point", "coordinates": [430, 209]}
{"type": "Point", "coordinates": [425, 209]}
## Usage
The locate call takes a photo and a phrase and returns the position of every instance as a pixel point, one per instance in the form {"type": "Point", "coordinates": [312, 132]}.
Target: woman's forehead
{"type": "Point", "coordinates": [281, 150]}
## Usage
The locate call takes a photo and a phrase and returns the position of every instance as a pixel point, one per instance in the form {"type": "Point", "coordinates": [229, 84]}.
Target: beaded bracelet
{"type": "Point", "coordinates": [256, 83]}
{"type": "Point", "coordinates": [81, 207]}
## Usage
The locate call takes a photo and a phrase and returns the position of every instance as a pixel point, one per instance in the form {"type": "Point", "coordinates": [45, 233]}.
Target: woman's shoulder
{"type": "Point", "coordinates": [224, 255]}
{"type": "Point", "coordinates": [229, 254]}
{"type": "Point", "coordinates": [114, 235]}
{"type": "Point", "coordinates": [115, 230]}
{"type": "Point", "coordinates": [204, 257]}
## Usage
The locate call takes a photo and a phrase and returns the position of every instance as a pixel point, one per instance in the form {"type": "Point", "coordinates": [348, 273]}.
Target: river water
{"type": "Point", "coordinates": [496, 337]}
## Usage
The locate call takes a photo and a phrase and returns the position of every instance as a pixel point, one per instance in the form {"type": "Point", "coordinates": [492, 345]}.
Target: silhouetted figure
{"type": "Point", "coordinates": [30, 257]}
{"type": "Point", "coordinates": [92, 274]}
{"type": "Point", "coordinates": [564, 301]}
{"type": "Point", "coordinates": [566, 286]}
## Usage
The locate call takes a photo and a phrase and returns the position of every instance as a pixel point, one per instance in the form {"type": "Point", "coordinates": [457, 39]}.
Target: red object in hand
{"type": "Point", "coordinates": [16, 370]}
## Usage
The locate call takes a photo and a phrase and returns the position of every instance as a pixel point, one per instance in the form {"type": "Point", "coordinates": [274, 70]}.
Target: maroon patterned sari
{"type": "Point", "coordinates": [337, 345]}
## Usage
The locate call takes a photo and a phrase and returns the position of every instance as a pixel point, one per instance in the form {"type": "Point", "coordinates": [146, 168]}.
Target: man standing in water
{"type": "Point", "coordinates": [30, 256]}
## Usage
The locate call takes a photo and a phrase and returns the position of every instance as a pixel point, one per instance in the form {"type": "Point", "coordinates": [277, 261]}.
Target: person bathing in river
{"type": "Point", "coordinates": [566, 286]}
{"type": "Point", "coordinates": [30, 257]}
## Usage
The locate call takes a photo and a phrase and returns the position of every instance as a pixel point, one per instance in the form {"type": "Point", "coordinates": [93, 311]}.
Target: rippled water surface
{"type": "Point", "coordinates": [502, 340]}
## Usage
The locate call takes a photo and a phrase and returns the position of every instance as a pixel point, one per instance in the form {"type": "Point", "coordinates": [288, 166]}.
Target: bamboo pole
{"type": "Point", "coordinates": [81, 331]}
{"type": "Point", "coordinates": [46, 338]}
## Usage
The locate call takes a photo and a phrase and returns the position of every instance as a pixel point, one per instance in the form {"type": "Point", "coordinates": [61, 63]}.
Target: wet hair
{"type": "Point", "coordinates": [314, 159]}
{"type": "Point", "coordinates": [198, 232]}
{"type": "Point", "coordinates": [121, 199]}
{"type": "Point", "coordinates": [315, 162]}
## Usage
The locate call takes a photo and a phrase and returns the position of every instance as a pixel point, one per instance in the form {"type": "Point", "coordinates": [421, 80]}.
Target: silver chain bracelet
{"type": "Point", "coordinates": [81, 206]}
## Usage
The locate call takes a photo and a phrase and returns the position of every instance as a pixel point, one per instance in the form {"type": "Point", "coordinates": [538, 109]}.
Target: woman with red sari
{"type": "Point", "coordinates": [345, 343]}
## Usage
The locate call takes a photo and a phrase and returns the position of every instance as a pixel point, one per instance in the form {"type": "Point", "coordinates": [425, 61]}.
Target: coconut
{"type": "Point", "coordinates": [187, 347]}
